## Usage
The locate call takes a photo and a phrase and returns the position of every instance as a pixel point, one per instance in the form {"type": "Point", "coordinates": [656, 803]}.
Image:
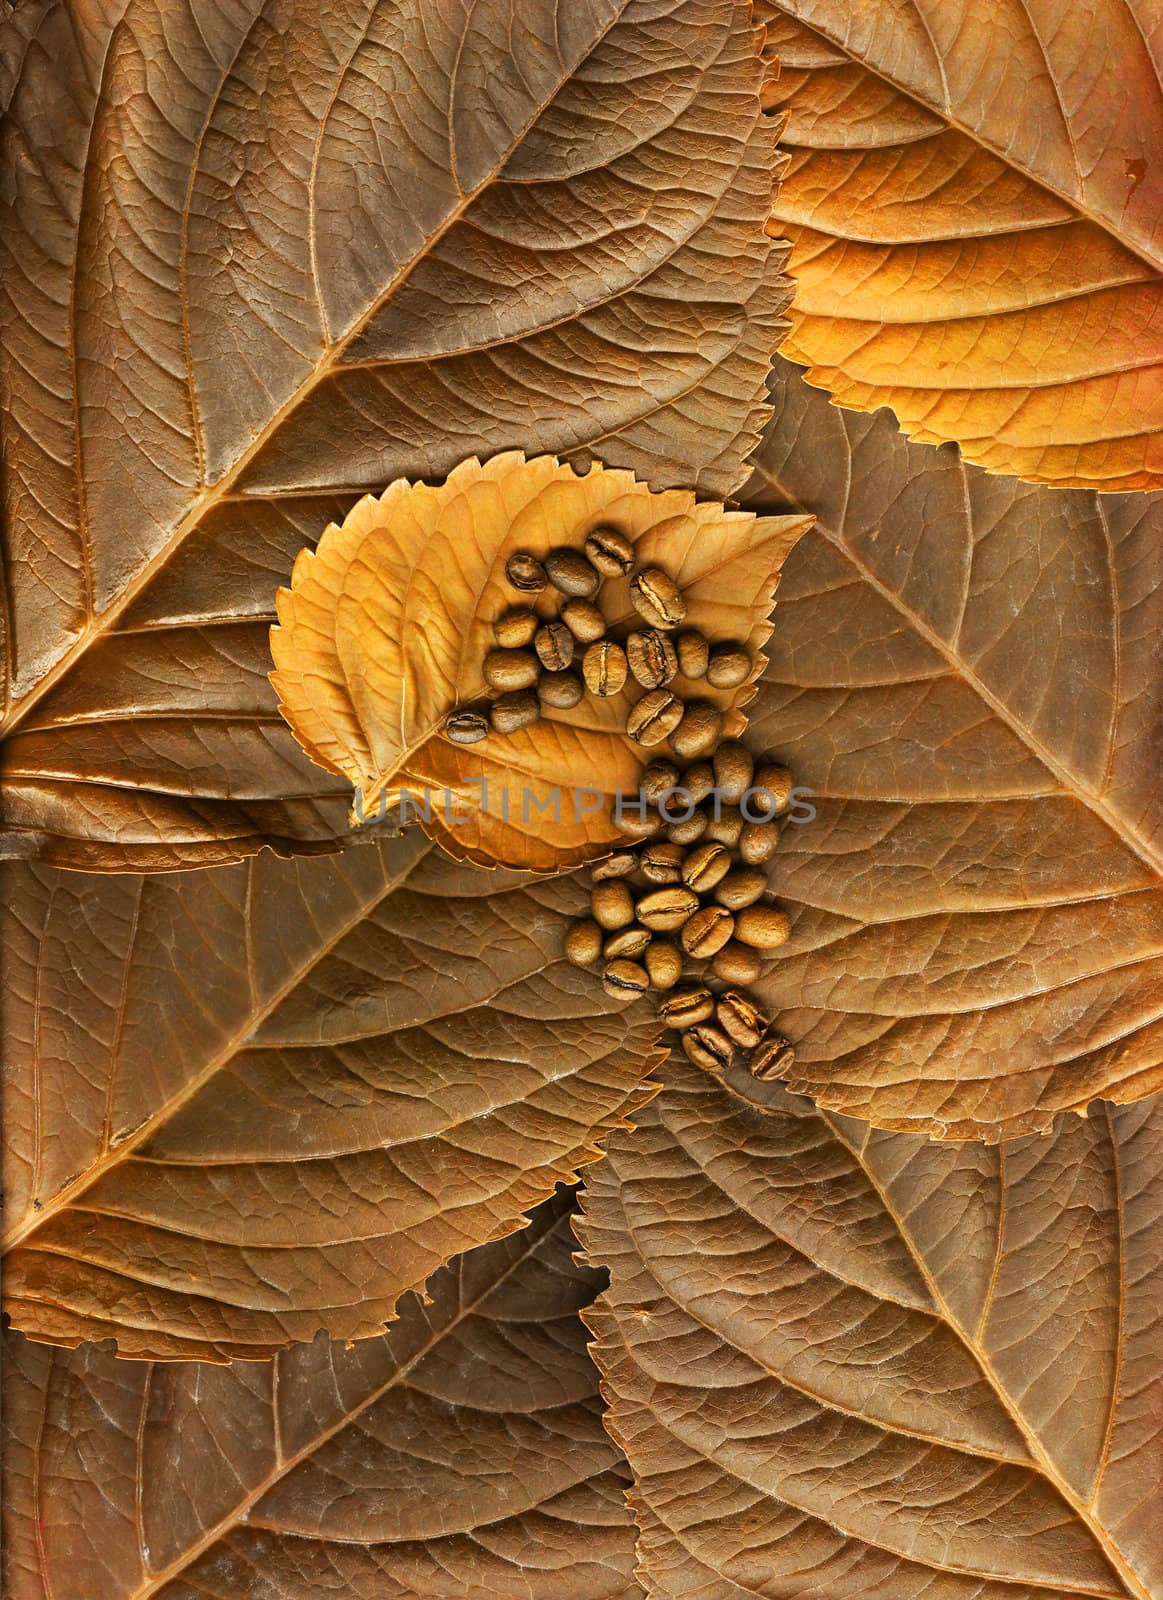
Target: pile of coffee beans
{"type": "Point", "coordinates": [541, 662]}
{"type": "Point", "coordinates": [688, 893]}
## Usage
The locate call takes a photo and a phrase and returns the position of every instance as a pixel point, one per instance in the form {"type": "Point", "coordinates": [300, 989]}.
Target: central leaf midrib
{"type": "Point", "coordinates": [229, 1048]}
{"type": "Point", "coordinates": [1067, 780]}
{"type": "Point", "coordinates": [1082, 1510]}
{"type": "Point", "coordinates": [239, 1513]}
{"type": "Point", "coordinates": [897, 1429]}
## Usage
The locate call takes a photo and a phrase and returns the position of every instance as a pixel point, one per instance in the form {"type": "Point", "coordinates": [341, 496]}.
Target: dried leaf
{"type": "Point", "coordinates": [247, 1103]}
{"type": "Point", "coordinates": [965, 671]}
{"type": "Point", "coordinates": [460, 1458]}
{"type": "Point", "coordinates": [848, 1364]}
{"type": "Point", "coordinates": [388, 622]}
{"type": "Point", "coordinates": [255, 263]}
{"type": "Point", "coordinates": [975, 204]}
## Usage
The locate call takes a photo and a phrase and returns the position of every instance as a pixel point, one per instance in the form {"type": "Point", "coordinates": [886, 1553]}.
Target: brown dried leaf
{"type": "Point", "coordinates": [965, 671]}
{"type": "Point", "coordinates": [251, 1102]}
{"type": "Point", "coordinates": [850, 1364]}
{"type": "Point", "coordinates": [253, 264]}
{"type": "Point", "coordinates": [975, 204]}
{"type": "Point", "coordinates": [461, 1457]}
{"type": "Point", "coordinates": [388, 622]}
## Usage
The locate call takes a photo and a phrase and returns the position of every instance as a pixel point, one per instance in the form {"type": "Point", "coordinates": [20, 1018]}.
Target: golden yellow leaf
{"type": "Point", "coordinates": [974, 196]}
{"type": "Point", "coordinates": [386, 624]}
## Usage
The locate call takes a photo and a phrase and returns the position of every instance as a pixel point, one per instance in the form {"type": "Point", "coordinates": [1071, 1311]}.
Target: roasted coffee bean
{"type": "Point", "coordinates": [622, 979]}
{"type": "Point", "coordinates": [509, 712]}
{"type": "Point", "coordinates": [664, 910]}
{"type": "Point", "coordinates": [707, 931]}
{"type": "Point", "coordinates": [604, 668]}
{"type": "Point", "coordinates": [773, 1057]}
{"type": "Point", "coordinates": [758, 842]}
{"type": "Point", "coordinates": [637, 822]}
{"type": "Point", "coordinates": [511, 669]}
{"type": "Point", "coordinates": [561, 690]}
{"type": "Point", "coordinates": [729, 665]}
{"type": "Point", "coordinates": [651, 657]}
{"type": "Point", "coordinates": [733, 768]}
{"type": "Point", "coordinates": [627, 942]}
{"type": "Point", "coordinates": [738, 1015]}
{"type": "Point", "coordinates": [570, 573]}
{"type": "Point", "coordinates": [693, 1003]}
{"type": "Point", "coordinates": [699, 731]}
{"type": "Point", "coordinates": [583, 944]}
{"type": "Point", "coordinates": [689, 830]}
{"type": "Point", "coordinates": [554, 645]}
{"type": "Point", "coordinates": [525, 572]}
{"type": "Point", "coordinates": [764, 927]}
{"type": "Point", "coordinates": [654, 717]}
{"type": "Point", "coordinates": [610, 551]}
{"type": "Point", "coordinates": [657, 598]}
{"type": "Point", "coordinates": [692, 653]}
{"type": "Point", "coordinates": [677, 806]}
{"type": "Point", "coordinates": [664, 963]}
{"type": "Point", "coordinates": [661, 863]}
{"type": "Point", "coordinates": [727, 826]}
{"type": "Point", "coordinates": [611, 904]}
{"type": "Point", "coordinates": [658, 778]}
{"type": "Point", "coordinates": [708, 1047]}
{"type": "Point", "coordinates": [465, 727]}
{"type": "Point", "coordinates": [584, 620]}
{"type": "Point", "coordinates": [741, 887]}
{"type": "Point", "coordinates": [699, 780]}
{"type": "Point", "coordinates": [516, 627]}
{"type": "Point", "coordinates": [736, 963]}
{"type": "Point", "coordinates": [620, 865]}
{"type": "Point", "coordinates": [770, 791]}
{"type": "Point", "coordinates": [705, 865]}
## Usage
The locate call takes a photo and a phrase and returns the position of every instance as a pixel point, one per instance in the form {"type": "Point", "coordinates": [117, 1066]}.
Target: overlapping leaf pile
{"type": "Point", "coordinates": [253, 263]}
{"type": "Point", "coordinates": [262, 259]}
{"type": "Point", "coordinates": [395, 1466]}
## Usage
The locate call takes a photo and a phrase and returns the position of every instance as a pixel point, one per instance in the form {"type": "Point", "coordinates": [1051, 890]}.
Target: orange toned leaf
{"type": "Point", "coordinates": [386, 624]}
{"type": "Point", "coordinates": [251, 1102]}
{"type": "Point", "coordinates": [975, 204]}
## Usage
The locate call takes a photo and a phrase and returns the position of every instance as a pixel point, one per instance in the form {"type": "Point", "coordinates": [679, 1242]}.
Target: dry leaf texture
{"type": "Point", "coordinates": [845, 1363]}
{"type": "Point", "coordinates": [386, 626]}
{"type": "Point", "coordinates": [966, 672]}
{"type": "Point", "coordinates": [975, 203]}
{"type": "Point", "coordinates": [257, 256]}
{"type": "Point", "coordinates": [459, 1458]}
{"type": "Point", "coordinates": [247, 1103]}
